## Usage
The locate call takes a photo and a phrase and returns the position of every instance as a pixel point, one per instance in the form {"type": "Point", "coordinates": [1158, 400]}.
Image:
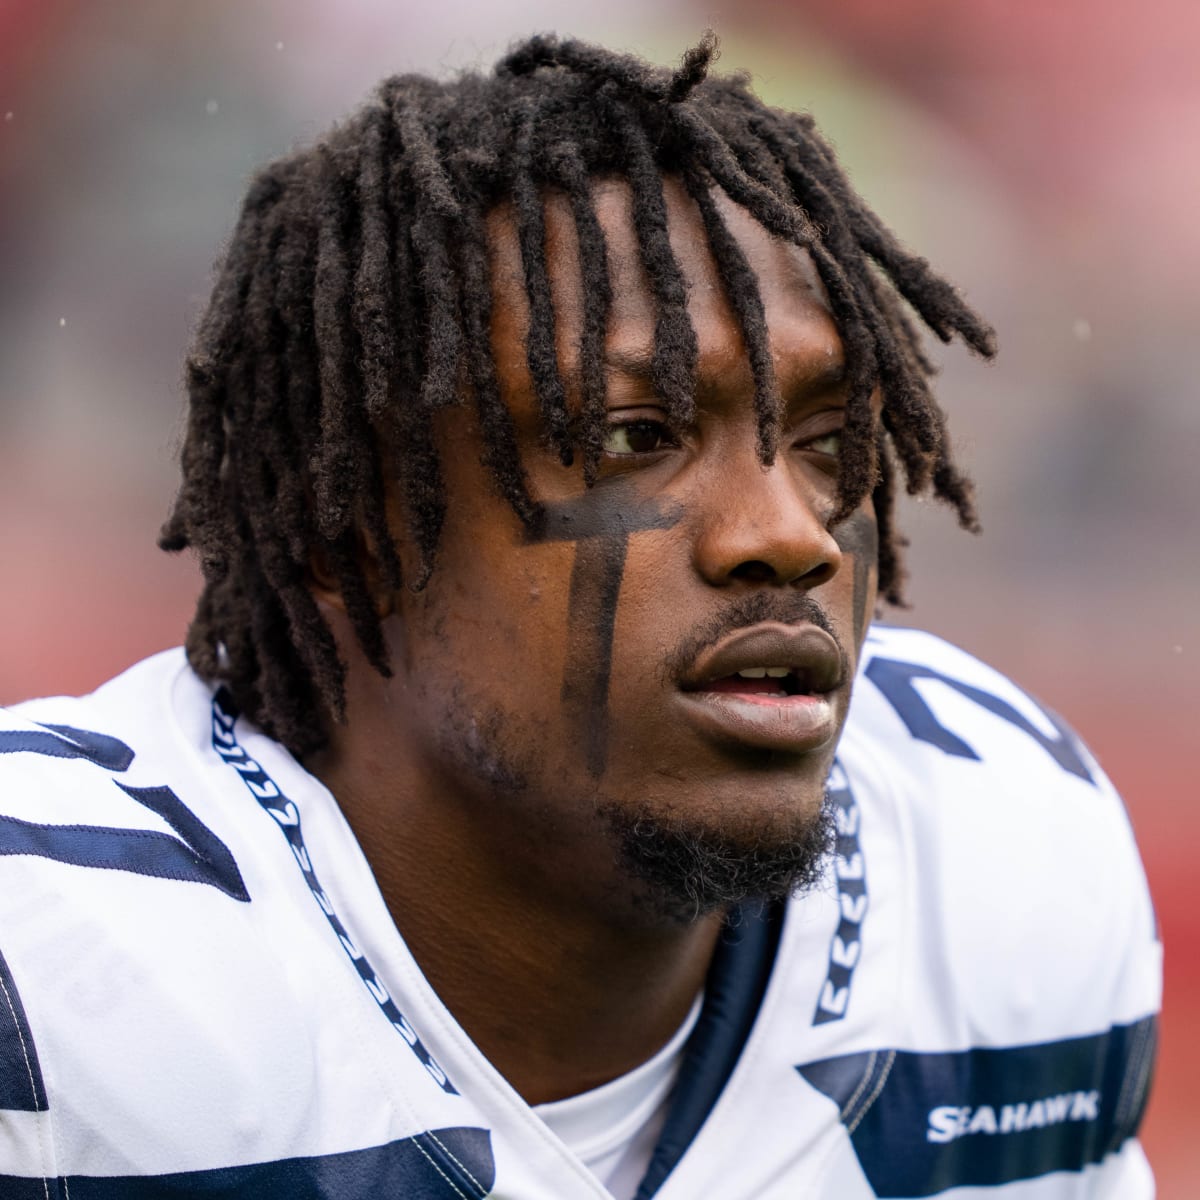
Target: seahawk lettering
{"type": "Point", "coordinates": [951, 1121]}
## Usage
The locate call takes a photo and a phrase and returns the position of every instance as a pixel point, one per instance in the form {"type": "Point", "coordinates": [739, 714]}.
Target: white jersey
{"type": "Point", "coordinates": [202, 992]}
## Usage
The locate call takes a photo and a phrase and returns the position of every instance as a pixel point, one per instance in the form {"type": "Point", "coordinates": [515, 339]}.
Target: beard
{"type": "Point", "coordinates": [681, 866]}
{"type": "Point", "coordinates": [687, 870]}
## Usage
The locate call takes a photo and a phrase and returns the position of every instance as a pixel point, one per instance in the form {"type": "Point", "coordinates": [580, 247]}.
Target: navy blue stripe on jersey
{"type": "Point", "coordinates": [287, 817]}
{"type": "Point", "coordinates": [65, 741]}
{"type": "Point", "coordinates": [21, 1085]}
{"type": "Point", "coordinates": [733, 993]}
{"type": "Point", "coordinates": [21, 1187]}
{"type": "Point", "coordinates": [212, 860]}
{"type": "Point", "coordinates": [138, 851]}
{"type": "Point", "coordinates": [895, 680]}
{"type": "Point", "coordinates": [443, 1164]}
{"type": "Point", "coordinates": [201, 857]}
{"type": "Point", "coordinates": [849, 869]}
{"type": "Point", "coordinates": [922, 1123]}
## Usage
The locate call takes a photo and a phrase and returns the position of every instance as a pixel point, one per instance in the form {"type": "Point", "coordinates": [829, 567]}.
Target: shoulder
{"type": "Point", "coordinates": [991, 966]}
{"type": "Point", "coordinates": [140, 708]}
{"type": "Point", "coordinates": [150, 912]}
{"type": "Point", "coordinates": [1022, 883]}
{"type": "Point", "coordinates": [936, 713]}
{"type": "Point", "coordinates": [115, 779]}
{"type": "Point", "coordinates": [119, 867]}
{"type": "Point", "coordinates": [175, 985]}
{"type": "Point", "coordinates": [60, 745]}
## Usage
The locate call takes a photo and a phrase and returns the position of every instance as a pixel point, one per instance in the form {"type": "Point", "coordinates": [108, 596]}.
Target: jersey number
{"type": "Point", "coordinates": [895, 680]}
{"type": "Point", "coordinates": [196, 854]}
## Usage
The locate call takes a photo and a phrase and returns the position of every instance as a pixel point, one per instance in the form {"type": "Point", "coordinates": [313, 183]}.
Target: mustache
{"type": "Point", "coordinates": [794, 609]}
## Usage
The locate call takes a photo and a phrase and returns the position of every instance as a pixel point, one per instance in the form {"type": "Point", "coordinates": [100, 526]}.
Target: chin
{"type": "Point", "coordinates": [688, 864]}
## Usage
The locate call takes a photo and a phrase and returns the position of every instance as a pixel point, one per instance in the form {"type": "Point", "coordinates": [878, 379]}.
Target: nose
{"type": "Point", "coordinates": [767, 525]}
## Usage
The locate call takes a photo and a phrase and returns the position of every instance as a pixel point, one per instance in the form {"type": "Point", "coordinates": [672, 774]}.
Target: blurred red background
{"type": "Point", "coordinates": [1044, 156]}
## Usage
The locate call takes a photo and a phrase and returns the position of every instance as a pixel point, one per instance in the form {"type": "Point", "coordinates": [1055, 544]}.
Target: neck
{"type": "Point", "coordinates": [532, 939]}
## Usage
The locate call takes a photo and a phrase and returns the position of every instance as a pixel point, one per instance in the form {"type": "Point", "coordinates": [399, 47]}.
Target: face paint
{"type": "Point", "coordinates": [510, 658]}
{"type": "Point", "coordinates": [858, 536]}
{"type": "Point", "coordinates": [600, 522]}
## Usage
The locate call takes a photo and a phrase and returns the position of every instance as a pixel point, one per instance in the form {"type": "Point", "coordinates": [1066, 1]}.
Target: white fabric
{"type": "Point", "coordinates": [980, 902]}
{"type": "Point", "coordinates": [613, 1129]}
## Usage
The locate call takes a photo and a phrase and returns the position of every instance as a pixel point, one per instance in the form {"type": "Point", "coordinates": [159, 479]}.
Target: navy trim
{"type": "Point", "coordinates": [65, 741]}
{"type": "Point", "coordinates": [895, 680]}
{"type": "Point", "coordinates": [211, 857]}
{"type": "Point", "coordinates": [287, 817]}
{"type": "Point", "coordinates": [922, 1123]}
{"type": "Point", "coordinates": [200, 857]}
{"type": "Point", "coordinates": [21, 1084]}
{"type": "Point", "coordinates": [137, 851]}
{"type": "Point", "coordinates": [850, 872]}
{"type": "Point", "coordinates": [733, 994]}
{"type": "Point", "coordinates": [21, 1187]}
{"type": "Point", "coordinates": [443, 1164]}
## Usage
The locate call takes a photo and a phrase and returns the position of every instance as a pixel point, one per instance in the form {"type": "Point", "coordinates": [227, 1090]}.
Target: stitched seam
{"type": "Point", "coordinates": [1134, 1069]}
{"type": "Point", "coordinates": [1145, 1066]}
{"type": "Point", "coordinates": [451, 1156]}
{"type": "Point", "coordinates": [12, 1008]}
{"type": "Point", "coordinates": [433, 1163]}
{"type": "Point", "coordinates": [311, 880]}
{"type": "Point", "coordinates": [148, 871]}
{"type": "Point", "coordinates": [113, 829]}
{"type": "Point", "coordinates": [862, 1083]}
{"type": "Point", "coordinates": [1132, 1085]}
{"type": "Point", "coordinates": [854, 1111]}
{"type": "Point", "coordinates": [1130, 1072]}
{"type": "Point", "coordinates": [875, 1094]}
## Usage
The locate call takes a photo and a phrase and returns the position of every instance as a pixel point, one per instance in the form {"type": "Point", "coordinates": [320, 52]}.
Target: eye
{"type": "Point", "coordinates": [642, 436]}
{"type": "Point", "coordinates": [828, 443]}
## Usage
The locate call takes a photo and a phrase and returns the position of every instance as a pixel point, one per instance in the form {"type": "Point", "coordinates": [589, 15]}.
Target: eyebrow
{"type": "Point", "coordinates": [639, 363]}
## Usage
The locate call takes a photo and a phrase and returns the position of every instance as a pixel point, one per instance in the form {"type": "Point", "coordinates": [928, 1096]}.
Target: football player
{"type": "Point", "coordinates": [509, 827]}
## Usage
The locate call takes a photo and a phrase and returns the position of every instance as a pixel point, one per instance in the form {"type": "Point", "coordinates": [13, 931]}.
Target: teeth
{"type": "Point", "coordinates": [765, 672]}
{"type": "Point", "coordinates": [778, 672]}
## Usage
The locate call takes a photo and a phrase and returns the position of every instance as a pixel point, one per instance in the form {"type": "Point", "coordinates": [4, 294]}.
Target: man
{"type": "Point", "coordinates": [505, 831]}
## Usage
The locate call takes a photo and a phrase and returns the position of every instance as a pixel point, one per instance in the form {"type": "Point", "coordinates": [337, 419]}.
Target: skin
{"type": "Point", "coordinates": [533, 680]}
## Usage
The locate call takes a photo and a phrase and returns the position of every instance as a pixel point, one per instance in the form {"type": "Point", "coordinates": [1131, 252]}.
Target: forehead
{"type": "Point", "coordinates": [794, 300]}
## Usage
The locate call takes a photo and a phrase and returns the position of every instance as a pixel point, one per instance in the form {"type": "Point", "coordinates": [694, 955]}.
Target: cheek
{"type": "Point", "coordinates": [659, 605]}
{"type": "Point", "coordinates": [491, 617]}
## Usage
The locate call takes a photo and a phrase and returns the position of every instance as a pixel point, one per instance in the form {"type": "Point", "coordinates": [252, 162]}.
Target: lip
{"type": "Point", "coordinates": [792, 724]}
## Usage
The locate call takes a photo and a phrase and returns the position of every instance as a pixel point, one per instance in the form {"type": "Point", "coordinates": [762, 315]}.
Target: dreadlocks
{"type": "Point", "coordinates": [354, 302]}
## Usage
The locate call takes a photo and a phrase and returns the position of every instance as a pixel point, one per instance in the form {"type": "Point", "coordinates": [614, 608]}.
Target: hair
{"type": "Point", "coordinates": [353, 303]}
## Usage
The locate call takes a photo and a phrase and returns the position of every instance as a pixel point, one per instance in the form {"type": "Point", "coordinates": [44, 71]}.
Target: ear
{"type": "Point", "coordinates": [326, 587]}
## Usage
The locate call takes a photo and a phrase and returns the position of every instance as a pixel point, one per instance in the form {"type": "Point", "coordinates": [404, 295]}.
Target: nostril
{"type": "Point", "coordinates": [754, 571]}
{"type": "Point", "coordinates": [818, 575]}
{"type": "Point", "coordinates": [757, 570]}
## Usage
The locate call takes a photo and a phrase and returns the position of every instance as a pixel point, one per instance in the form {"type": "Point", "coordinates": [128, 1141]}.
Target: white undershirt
{"type": "Point", "coordinates": [614, 1128]}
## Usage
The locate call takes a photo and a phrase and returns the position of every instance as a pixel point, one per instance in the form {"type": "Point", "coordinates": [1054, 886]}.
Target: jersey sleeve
{"type": "Point", "coordinates": [1031, 968]}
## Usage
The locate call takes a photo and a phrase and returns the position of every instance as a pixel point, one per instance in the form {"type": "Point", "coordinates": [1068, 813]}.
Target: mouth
{"type": "Point", "coordinates": [769, 687]}
{"type": "Point", "coordinates": [763, 685]}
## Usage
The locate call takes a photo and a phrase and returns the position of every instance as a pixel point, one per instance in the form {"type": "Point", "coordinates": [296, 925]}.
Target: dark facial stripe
{"type": "Point", "coordinates": [601, 522]}
{"type": "Point", "coordinates": [858, 537]}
